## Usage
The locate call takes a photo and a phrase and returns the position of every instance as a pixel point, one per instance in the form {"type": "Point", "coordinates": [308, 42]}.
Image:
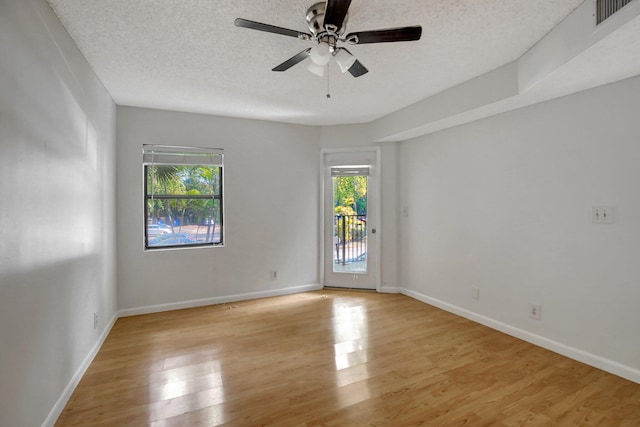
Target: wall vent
{"type": "Point", "coordinates": [606, 8]}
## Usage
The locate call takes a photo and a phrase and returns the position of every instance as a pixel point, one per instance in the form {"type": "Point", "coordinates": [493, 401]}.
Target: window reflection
{"type": "Point", "coordinates": [351, 334]}
{"type": "Point", "coordinates": [189, 389]}
{"type": "Point", "coordinates": [349, 323]}
{"type": "Point", "coordinates": [174, 388]}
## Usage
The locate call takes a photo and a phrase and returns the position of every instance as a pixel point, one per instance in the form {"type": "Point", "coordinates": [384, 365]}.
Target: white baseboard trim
{"type": "Point", "coordinates": [390, 289]}
{"type": "Point", "coordinates": [216, 300]}
{"type": "Point", "coordinates": [573, 353]}
{"type": "Point", "coordinates": [73, 383]}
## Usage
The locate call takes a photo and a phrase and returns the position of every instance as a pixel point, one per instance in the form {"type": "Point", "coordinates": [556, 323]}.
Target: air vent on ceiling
{"type": "Point", "coordinates": [606, 8]}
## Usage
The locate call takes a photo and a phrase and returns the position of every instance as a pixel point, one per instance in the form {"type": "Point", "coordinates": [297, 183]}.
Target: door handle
{"type": "Point", "coordinates": [373, 231]}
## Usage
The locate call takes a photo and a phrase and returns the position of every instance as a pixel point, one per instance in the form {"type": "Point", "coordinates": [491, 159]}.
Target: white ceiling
{"type": "Point", "coordinates": [187, 55]}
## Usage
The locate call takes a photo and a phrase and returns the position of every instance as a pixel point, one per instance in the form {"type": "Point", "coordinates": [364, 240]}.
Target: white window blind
{"type": "Point", "coordinates": [348, 170]}
{"type": "Point", "coordinates": [163, 155]}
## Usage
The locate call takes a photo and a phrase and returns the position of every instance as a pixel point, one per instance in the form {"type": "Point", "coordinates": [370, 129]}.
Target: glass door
{"type": "Point", "coordinates": [350, 218]}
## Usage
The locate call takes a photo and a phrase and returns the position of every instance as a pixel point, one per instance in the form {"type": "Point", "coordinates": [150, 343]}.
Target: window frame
{"type": "Point", "coordinates": [184, 156]}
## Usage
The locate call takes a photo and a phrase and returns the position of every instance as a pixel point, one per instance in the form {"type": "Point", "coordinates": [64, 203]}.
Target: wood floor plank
{"type": "Point", "coordinates": [336, 358]}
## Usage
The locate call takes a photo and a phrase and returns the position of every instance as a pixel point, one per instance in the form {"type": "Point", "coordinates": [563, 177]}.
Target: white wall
{"type": "Point", "coordinates": [271, 211]}
{"type": "Point", "coordinates": [504, 204]}
{"type": "Point", "coordinates": [57, 212]}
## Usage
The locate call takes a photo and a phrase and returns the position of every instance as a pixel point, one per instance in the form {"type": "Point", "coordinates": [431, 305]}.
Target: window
{"type": "Point", "coordinates": [183, 204]}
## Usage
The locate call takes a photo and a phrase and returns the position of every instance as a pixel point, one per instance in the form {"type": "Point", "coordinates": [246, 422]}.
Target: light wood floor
{"type": "Point", "coordinates": [336, 358]}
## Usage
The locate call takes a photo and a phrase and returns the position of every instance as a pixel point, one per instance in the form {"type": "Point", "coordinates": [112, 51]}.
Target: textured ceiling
{"type": "Point", "coordinates": [186, 55]}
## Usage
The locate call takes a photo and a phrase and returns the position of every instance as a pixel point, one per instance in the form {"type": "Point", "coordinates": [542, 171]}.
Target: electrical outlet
{"type": "Point", "coordinates": [95, 320]}
{"type": "Point", "coordinates": [602, 214]}
{"type": "Point", "coordinates": [273, 275]}
{"type": "Point", "coordinates": [475, 292]}
{"type": "Point", "coordinates": [535, 310]}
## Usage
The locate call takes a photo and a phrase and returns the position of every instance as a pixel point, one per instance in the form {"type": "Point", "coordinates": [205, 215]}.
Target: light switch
{"type": "Point", "coordinates": [602, 214]}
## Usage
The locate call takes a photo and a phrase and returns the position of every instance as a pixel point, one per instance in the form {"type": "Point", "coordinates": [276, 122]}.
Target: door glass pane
{"type": "Point", "coordinates": [349, 224]}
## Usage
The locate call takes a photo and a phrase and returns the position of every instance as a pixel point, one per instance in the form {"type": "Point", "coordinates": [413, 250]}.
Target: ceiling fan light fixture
{"type": "Point", "coordinates": [344, 59]}
{"type": "Point", "coordinates": [327, 22]}
{"type": "Point", "coordinates": [320, 54]}
{"type": "Point", "coordinates": [316, 69]}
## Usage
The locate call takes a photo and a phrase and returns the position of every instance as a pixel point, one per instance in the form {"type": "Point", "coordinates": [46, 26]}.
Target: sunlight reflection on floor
{"type": "Point", "coordinates": [350, 332]}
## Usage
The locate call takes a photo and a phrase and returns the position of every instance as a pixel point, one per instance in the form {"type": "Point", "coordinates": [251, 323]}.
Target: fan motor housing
{"type": "Point", "coordinates": [315, 20]}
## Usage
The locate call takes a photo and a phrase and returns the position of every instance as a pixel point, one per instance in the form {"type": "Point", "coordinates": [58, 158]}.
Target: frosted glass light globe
{"type": "Point", "coordinates": [345, 60]}
{"type": "Point", "coordinates": [320, 54]}
{"type": "Point", "coordinates": [316, 69]}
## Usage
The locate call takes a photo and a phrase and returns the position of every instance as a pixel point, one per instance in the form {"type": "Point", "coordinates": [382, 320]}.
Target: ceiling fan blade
{"type": "Point", "coordinates": [335, 13]}
{"type": "Point", "coordinates": [293, 61]}
{"type": "Point", "coordinates": [357, 69]}
{"type": "Point", "coordinates": [403, 34]}
{"type": "Point", "coordinates": [245, 23]}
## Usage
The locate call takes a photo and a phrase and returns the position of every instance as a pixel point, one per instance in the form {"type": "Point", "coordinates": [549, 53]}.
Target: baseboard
{"type": "Point", "coordinates": [73, 383]}
{"type": "Point", "coordinates": [216, 300]}
{"type": "Point", "coordinates": [390, 289]}
{"type": "Point", "coordinates": [573, 353]}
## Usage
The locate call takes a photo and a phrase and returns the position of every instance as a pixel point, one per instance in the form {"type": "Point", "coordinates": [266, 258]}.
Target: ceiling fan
{"type": "Point", "coordinates": [327, 22]}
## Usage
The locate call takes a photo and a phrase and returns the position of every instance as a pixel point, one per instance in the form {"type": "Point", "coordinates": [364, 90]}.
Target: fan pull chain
{"type": "Point", "coordinates": [328, 87]}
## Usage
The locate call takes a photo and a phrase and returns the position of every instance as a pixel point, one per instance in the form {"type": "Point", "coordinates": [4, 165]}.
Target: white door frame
{"type": "Point", "coordinates": [377, 209]}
